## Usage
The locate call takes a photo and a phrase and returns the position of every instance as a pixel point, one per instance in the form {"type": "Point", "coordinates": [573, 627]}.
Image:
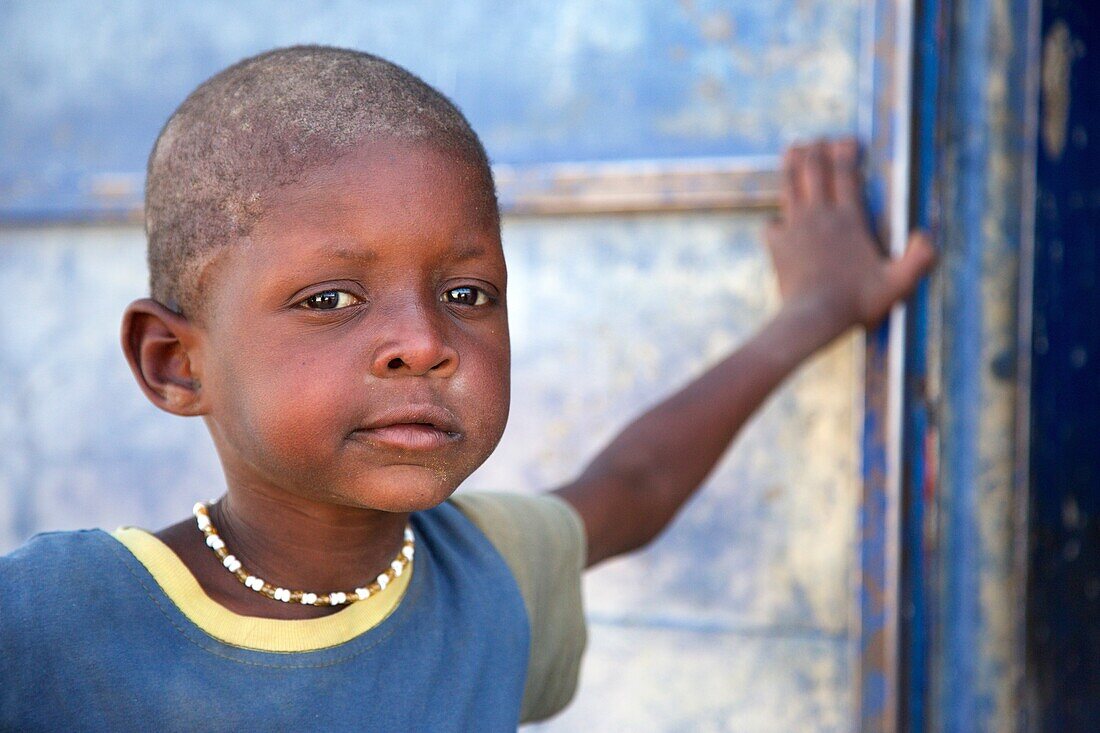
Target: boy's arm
{"type": "Point", "coordinates": [832, 276]}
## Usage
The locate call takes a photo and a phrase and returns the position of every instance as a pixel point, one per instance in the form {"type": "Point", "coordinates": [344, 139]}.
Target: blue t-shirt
{"type": "Point", "coordinates": [91, 639]}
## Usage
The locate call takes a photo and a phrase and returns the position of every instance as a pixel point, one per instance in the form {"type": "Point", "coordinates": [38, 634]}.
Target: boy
{"type": "Point", "coordinates": [329, 294]}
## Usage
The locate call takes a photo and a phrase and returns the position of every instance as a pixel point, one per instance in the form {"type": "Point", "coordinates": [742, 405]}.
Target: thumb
{"type": "Point", "coordinates": [903, 273]}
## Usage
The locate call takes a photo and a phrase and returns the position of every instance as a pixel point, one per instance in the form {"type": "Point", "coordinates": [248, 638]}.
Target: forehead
{"type": "Point", "coordinates": [389, 179]}
{"type": "Point", "coordinates": [384, 197]}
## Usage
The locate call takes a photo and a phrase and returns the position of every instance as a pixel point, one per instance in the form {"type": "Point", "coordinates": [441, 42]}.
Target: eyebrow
{"type": "Point", "coordinates": [352, 255]}
{"type": "Point", "coordinates": [469, 251]}
{"type": "Point", "coordinates": [464, 251]}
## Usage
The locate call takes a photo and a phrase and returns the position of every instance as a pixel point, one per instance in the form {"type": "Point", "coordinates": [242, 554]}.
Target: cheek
{"type": "Point", "coordinates": [283, 409]}
{"type": "Point", "coordinates": [487, 389]}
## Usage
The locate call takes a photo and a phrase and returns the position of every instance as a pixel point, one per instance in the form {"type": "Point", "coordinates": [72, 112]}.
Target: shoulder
{"type": "Point", "coordinates": [54, 565]}
{"type": "Point", "coordinates": [46, 585]}
{"type": "Point", "coordinates": [540, 537]}
{"type": "Point", "coordinates": [528, 530]}
{"type": "Point", "coordinates": [542, 540]}
{"type": "Point", "coordinates": [54, 550]}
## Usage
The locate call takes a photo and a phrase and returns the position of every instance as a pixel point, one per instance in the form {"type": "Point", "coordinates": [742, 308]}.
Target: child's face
{"type": "Point", "coordinates": [355, 347]}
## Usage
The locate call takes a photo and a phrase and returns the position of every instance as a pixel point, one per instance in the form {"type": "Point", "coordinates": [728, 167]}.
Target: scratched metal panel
{"type": "Point", "coordinates": [83, 92]}
{"type": "Point", "coordinates": [746, 599]}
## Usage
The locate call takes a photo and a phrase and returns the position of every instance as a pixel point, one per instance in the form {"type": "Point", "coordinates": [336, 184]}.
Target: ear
{"type": "Point", "coordinates": [160, 346]}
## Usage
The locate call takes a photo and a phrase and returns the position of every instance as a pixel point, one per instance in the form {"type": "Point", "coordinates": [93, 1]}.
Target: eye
{"type": "Point", "coordinates": [329, 300]}
{"type": "Point", "coordinates": [465, 295]}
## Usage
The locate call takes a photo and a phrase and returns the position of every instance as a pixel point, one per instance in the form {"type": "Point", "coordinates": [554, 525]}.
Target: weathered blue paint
{"type": "Point", "coordinates": [1064, 582]}
{"type": "Point", "coordinates": [876, 606]}
{"type": "Point", "coordinates": [541, 82]}
{"type": "Point", "coordinates": [975, 602]}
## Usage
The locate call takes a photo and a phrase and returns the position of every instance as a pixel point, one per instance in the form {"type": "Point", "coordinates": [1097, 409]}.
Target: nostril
{"type": "Point", "coordinates": [395, 363]}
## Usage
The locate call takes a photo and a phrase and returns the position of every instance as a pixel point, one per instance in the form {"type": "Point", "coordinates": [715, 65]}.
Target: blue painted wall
{"type": "Point", "coordinates": [756, 633]}
{"type": "Point", "coordinates": [84, 93]}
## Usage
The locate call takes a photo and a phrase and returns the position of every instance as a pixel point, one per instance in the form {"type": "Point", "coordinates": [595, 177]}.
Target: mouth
{"type": "Point", "coordinates": [411, 428]}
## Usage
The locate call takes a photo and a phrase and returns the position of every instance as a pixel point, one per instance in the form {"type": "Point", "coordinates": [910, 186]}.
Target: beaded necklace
{"type": "Point", "coordinates": [334, 598]}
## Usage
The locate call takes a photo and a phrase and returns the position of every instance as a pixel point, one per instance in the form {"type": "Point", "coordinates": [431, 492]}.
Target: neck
{"type": "Point", "coordinates": [307, 545]}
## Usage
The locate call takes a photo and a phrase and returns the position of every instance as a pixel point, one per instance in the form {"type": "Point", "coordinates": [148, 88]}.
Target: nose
{"type": "Point", "coordinates": [414, 344]}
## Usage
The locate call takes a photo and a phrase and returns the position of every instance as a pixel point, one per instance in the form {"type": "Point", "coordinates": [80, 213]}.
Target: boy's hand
{"type": "Point", "coordinates": [825, 256]}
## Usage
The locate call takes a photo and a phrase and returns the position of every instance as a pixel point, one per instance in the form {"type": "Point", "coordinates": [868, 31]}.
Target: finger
{"type": "Point", "coordinates": [789, 193]}
{"type": "Point", "coordinates": [813, 174]}
{"type": "Point", "coordinates": [846, 182]}
{"type": "Point", "coordinates": [903, 273]}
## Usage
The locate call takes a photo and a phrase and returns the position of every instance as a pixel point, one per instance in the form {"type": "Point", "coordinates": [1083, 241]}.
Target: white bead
{"type": "Point", "coordinates": [337, 598]}
{"type": "Point", "coordinates": [408, 534]}
{"type": "Point", "coordinates": [398, 568]}
{"type": "Point", "coordinates": [363, 593]}
{"type": "Point", "coordinates": [308, 599]}
{"type": "Point", "coordinates": [407, 552]}
{"type": "Point", "coordinates": [228, 560]}
{"type": "Point", "coordinates": [257, 584]}
{"type": "Point", "coordinates": [215, 542]}
{"type": "Point", "coordinates": [282, 594]}
{"type": "Point", "coordinates": [235, 566]}
{"type": "Point", "coordinates": [203, 521]}
{"type": "Point", "coordinates": [382, 580]}
{"type": "Point", "coordinates": [249, 581]}
{"type": "Point", "coordinates": [199, 510]}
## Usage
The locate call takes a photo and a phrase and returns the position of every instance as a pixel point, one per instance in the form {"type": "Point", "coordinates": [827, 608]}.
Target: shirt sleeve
{"type": "Point", "coordinates": [542, 540]}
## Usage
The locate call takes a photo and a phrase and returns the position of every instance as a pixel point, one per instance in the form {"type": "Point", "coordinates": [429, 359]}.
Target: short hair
{"type": "Point", "coordinates": [261, 124]}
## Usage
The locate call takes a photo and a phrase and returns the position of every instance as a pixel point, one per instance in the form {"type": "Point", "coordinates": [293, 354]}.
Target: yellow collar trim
{"type": "Point", "coordinates": [250, 632]}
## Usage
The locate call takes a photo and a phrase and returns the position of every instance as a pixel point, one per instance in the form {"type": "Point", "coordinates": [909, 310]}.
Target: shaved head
{"type": "Point", "coordinates": [261, 124]}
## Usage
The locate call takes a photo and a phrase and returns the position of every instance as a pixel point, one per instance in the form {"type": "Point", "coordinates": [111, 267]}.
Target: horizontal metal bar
{"type": "Point", "coordinates": [711, 184]}
{"type": "Point", "coordinates": [705, 184]}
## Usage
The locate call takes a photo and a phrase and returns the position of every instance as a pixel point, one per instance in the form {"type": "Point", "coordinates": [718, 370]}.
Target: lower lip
{"type": "Point", "coordinates": [410, 436]}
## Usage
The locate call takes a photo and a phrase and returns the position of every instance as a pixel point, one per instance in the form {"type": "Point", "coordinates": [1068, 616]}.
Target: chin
{"type": "Point", "coordinates": [407, 488]}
